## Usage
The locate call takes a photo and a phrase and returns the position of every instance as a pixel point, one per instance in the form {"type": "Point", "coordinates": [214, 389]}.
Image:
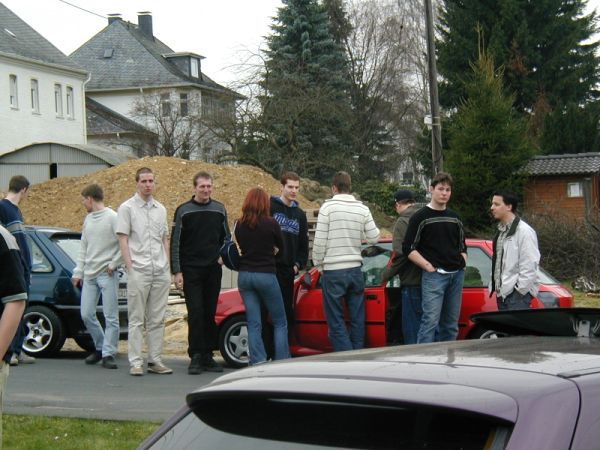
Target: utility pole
{"type": "Point", "coordinates": [436, 125]}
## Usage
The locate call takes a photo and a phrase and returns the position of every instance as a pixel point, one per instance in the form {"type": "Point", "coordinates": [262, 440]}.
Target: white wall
{"type": "Point", "coordinates": [21, 126]}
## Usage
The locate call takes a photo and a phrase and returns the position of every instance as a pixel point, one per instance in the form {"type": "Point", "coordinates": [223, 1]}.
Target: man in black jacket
{"type": "Point", "coordinates": [292, 220]}
{"type": "Point", "coordinates": [199, 229]}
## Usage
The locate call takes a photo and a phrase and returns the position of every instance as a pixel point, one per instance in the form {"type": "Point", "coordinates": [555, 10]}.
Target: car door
{"type": "Point", "coordinates": [310, 328]}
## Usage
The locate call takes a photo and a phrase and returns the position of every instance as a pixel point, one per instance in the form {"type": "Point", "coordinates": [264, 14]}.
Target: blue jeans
{"type": "Point", "coordinates": [514, 300]}
{"type": "Point", "coordinates": [257, 288]}
{"type": "Point", "coordinates": [412, 311]}
{"type": "Point", "coordinates": [105, 341]}
{"type": "Point", "coordinates": [338, 285]}
{"type": "Point", "coordinates": [442, 295]}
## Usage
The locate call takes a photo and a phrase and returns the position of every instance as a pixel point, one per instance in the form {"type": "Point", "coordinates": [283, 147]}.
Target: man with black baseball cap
{"type": "Point", "coordinates": [410, 274]}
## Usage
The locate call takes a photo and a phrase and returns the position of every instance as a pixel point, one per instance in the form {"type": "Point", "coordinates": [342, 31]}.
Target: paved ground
{"type": "Point", "coordinates": [65, 386]}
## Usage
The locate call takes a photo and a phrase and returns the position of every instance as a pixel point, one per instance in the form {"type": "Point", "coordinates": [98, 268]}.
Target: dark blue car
{"type": "Point", "coordinates": [53, 313]}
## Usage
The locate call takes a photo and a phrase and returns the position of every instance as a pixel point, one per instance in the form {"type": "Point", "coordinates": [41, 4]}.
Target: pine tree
{"type": "Point", "coordinates": [305, 109]}
{"type": "Point", "coordinates": [545, 47]}
{"type": "Point", "coordinates": [488, 144]}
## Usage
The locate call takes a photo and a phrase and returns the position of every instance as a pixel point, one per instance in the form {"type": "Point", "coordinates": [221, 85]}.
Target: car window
{"type": "Point", "coordinates": [309, 424]}
{"type": "Point", "coordinates": [479, 268]}
{"type": "Point", "coordinates": [69, 244]}
{"type": "Point", "coordinates": [39, 262]}
{"type": "Point", "coordinates": [375, 258]}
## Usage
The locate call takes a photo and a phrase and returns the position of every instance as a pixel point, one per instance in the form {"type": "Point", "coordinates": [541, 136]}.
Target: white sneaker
{"type": "Point", "coordinates": [24, 358]}
{"type": "Point", "coordinates": [14, 361]}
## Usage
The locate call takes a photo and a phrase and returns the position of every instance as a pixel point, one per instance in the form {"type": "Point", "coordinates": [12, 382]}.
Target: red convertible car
{"type": "Point", "coordinates": [383, 324]}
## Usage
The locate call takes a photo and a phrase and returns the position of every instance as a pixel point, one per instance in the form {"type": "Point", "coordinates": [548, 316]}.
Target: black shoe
{"type": "Point", "coordinates": [108, 362]}
{"type": "Point", "coordinates": [93, 358]}
{"type": "Point", "coordinates": [210, 365]}
{"type": "Point", "coordinates": [195, 367]}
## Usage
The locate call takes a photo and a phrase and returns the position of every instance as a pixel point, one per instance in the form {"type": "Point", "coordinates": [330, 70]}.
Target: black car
{"type": "Point", "coordinates": [53, 312]}
{"type": "Point", "coordinates": [514, 393]}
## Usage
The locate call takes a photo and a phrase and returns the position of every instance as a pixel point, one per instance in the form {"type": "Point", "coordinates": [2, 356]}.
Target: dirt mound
{"type": "Point", "coordinates": [58, 202]}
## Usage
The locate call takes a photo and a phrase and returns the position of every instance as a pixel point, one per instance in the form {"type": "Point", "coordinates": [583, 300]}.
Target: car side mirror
{"type": "Point", "coordinates": [306, 280]}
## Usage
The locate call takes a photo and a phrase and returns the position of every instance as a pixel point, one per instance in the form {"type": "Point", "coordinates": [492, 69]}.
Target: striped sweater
{"type": "Point", "coordinates": [343, 224]}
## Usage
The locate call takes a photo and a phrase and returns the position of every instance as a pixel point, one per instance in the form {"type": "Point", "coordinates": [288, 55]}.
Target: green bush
{"type": "Point", "coordinates": [381, 193]}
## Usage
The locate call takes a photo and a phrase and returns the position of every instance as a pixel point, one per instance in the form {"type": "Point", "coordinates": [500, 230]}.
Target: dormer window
{"type": "Point", "coordinates": [194, 64]}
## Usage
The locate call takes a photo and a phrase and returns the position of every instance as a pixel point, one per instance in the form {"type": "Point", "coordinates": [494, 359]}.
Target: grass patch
{"type": "Point", "coordinates": [41, 432]}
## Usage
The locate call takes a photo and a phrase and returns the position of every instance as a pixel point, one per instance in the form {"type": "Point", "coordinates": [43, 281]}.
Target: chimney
{"type": "Point", "coordinates": [145, 23]}
{"type": "Point", "coordinates": [113, 17]}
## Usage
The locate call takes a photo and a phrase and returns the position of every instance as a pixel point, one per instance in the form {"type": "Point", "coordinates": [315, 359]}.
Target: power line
{"type": "Point", "coordinates": [83, 9]}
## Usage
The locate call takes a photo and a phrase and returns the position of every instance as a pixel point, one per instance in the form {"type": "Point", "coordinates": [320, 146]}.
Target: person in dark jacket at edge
{"type": "Point", "coordinates": [13, 295]}
{"type": "Point", "coordinates": [294, 226]}
{"type": "Point", "coordinates": [410, 274]}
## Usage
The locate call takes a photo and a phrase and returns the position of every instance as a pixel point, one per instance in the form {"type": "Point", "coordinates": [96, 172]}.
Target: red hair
{"type": "Point", "coordinates": [256, 205]}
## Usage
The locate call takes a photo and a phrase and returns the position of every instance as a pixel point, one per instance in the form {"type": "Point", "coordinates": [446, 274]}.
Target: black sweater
{"type": "Point", "coordinates": [438, 236]}
{"type": "Point", "coordinates": [294, 227]}
{"type": "Point", "coordinates": [257, 245]}
{"type": "Point", "coordinates": [199, 230]}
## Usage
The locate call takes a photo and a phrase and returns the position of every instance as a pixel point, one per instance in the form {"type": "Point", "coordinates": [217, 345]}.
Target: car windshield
{"type": "Point", "coordinates": [70, 244]}
{"type": "Point", "coordinates": [275, 423]}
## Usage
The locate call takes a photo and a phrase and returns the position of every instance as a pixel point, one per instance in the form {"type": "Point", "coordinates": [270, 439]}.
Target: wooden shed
{"type": "Point", "coordinates": [566, 185]}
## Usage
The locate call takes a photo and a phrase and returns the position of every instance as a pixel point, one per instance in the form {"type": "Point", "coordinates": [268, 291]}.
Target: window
{"type": "Point", "coordinates": [183, 104]}
{"type": "Point", "coordinates": [35, 96]}
{"type": "Point", "coordinates": [58, 104]}
{"type": "Point", "coordinates": [479, 268]}
{"type": "Point", "coordinates": [407, 177]}
{"type": "Point", "coordinates": [39, 262]}
{"type": "Point", "coordinates": [14, 98]}
{"type": "Point", "coordinates": [575, 189]}
{"type": "Point", "coordinates": [165, 105]}
{"type": "Point", "coordinates": [194, 67]}
{"type": "Point", "coordinates": [70, 103]}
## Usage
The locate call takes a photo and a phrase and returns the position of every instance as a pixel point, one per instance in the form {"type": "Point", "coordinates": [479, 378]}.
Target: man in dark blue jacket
{"type": "Point", "coordinates": [12, 219]}
{"type": "Point", "coordinates": [292, 220]}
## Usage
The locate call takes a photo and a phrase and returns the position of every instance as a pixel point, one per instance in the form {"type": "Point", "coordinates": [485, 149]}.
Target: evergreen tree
{"type": "Point", "coordinates": [488, 144]}
{"type": "Point", "coordinates": [305, 108]}
{"type": "Point", "coordinates": [572, 129]}
{"type": "Point", "coordinates": [545, 47]}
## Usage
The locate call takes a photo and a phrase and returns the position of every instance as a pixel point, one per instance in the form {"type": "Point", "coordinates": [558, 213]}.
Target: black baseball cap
{"type": "Point", "coordinates": [404, 195]}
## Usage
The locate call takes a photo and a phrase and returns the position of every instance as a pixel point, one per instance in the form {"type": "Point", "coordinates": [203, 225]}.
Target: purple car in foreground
{"type": "Point", "coordinates": [532, 392]}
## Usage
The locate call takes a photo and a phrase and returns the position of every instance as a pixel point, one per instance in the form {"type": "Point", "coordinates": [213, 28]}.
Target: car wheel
{"type": "Point", "coordinates": [45, 331]}
{"type": "Point", "coordinates": [85, 342]}
{"type": "Point", "coordinates": [484, 333]}
{"type": "Point", "coordinates": [233, 341]}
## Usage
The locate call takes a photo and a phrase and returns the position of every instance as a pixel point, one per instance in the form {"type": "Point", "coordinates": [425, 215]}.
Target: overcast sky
{"type": "Point", "coordinates": [223, 31]}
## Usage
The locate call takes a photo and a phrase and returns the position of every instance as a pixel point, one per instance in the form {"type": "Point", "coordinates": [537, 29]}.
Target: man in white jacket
{"type": "Point", "coordinates": [342, 224]}
{"type": "Point", "coordinates": [516, 256]}
{"type": "Point", "coordinates": [96, 274]}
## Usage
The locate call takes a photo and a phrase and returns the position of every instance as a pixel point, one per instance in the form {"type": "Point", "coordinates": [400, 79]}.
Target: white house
{"type": "Point", "coordinates": [41, 90]}
{"type": "Point", "coordinates": [130, 66]}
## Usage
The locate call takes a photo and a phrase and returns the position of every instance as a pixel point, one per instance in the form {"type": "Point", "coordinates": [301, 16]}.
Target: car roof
{"type": "Point", "coordinates": [50, 230]}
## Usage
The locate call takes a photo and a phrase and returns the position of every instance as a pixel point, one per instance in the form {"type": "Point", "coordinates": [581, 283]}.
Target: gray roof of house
{"type": "Point", "coordinates": [101, 120]}
{"type": "Point", "coordinates": [568, 164]}
{"type": "Point", "coordinates": [136, 61]}
{"type": "Point", "coordinates": [106, 154]}
{"type": "Point", "coordinates": [20, 40]}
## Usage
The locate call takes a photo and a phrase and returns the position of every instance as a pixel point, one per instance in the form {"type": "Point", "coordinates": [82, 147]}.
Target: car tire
{"type": "Point", "coordinates": [486, 333]}
{"type": "Point", "coordinates": [85, 342]}
{"type": "Point", "coordinates": [233, 341]}
{"type": "Point", "coordinates": [45, 331]}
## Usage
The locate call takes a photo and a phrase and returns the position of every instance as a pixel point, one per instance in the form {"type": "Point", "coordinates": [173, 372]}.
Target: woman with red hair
{"type": "Point", "coordinates": [259, 238]}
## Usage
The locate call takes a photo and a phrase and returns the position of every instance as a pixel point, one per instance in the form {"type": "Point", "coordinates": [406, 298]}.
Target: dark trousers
{"type": "Point", "coordinates": [16, 345]}
{"type": "Point", "coordinates": [285, 278]}
{"type": "Point", "coordinates": [201, 287]}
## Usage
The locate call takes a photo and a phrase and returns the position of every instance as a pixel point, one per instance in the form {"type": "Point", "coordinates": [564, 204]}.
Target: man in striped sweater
{"type": "Point", "coordinates": [342, 225]}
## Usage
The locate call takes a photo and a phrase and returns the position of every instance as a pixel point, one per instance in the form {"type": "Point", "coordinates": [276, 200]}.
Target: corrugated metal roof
{"type": "Point", "coordinates": [106, 154]}
{"type": "Point", "coordinates": [568, 164]}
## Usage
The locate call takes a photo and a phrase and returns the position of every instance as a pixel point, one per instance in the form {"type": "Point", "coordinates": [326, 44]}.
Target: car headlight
{"type": "Point", "coordinates": [549, 299]}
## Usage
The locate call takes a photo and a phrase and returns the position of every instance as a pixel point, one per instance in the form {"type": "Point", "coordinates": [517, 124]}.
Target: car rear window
{"type": "Point", "coordinates": [70, 244]}
{"type": "Point", "coordinates": [275, 423]}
